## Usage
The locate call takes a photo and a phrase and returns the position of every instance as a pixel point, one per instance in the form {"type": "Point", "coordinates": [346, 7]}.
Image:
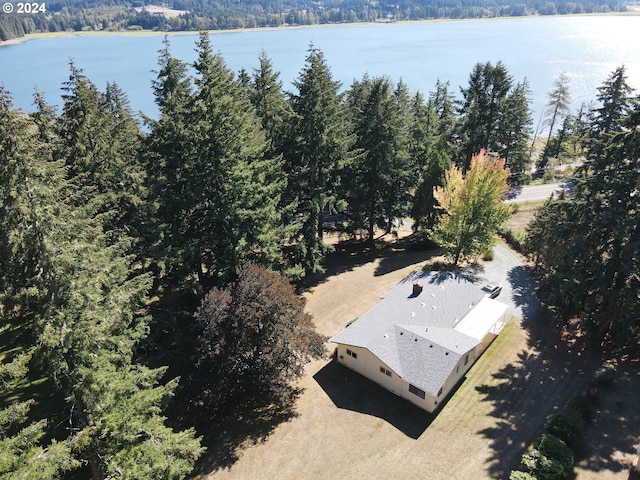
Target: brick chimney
{"type": "Point", "coordinates": [417, 289]}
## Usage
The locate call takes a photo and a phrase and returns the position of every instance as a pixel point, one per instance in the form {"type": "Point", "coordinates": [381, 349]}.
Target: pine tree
{"type": "Point", "coordinates": [615, 97]}
{"type": "Point", "coordinates": [99, 140]}
{"type": "Point", "coordinates": [481, 108]}
{"type": "Point", "coordinates": [271, 106]}
{"type": "Point", "coordinates": [513, 135]}
{"type": "Point", "coordinates": [80, 294]}
{"type": "Point", "coordinates": [590, 263]}
{"type": "Point", "coordinates": [220, 187]}
{"type": "Point", "coordinates": [23, 183]}
{"type": "Point", "coordinates": [431, 150]}
{"type": "Point", "coordinates": [319, 148]}
{"type": "Point", "coordinates": [166, 156]}
{"type": "Point", "coordinates": [377, 179]}
{"type": "Point", "coordinates": [22, 454]}
{"type": "Point", "coordinates": [557, 110]}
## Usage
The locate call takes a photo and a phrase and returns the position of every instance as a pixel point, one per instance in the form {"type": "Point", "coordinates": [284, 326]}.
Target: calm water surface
{"type": "Point", "coordinates": [587, 48]}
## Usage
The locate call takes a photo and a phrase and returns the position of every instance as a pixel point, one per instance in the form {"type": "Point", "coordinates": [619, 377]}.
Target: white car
{"type": "Point", "coordinates": [492, 289]}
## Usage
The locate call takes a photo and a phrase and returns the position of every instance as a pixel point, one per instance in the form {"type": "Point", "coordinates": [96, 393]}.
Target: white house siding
{"type": "Point", "coordinates": [368, 364]}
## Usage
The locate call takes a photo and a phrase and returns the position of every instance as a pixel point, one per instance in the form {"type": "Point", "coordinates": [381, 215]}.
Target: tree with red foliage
{"type": "Point", "coordinates": [255, 339]}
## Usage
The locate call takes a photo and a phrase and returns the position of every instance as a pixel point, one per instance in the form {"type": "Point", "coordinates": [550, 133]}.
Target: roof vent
{"type": "Point", "coordinates": [417, 289]}
{"type": "Point", "coordinates": [433, 307]}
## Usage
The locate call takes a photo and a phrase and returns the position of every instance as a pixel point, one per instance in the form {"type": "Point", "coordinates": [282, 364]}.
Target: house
{"type": "Point", "coordinates": [423, 336]}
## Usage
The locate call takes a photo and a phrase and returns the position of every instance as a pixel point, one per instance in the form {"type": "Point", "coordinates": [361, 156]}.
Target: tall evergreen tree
{"type": "Point", "coordinates": [431, 148]}
{"type": "Point", "coordinates": [271, 106]}
{"type": "Point", "coordinates": [320, 145]}
{"type": "Point", "coordinates": [514, 133]}
{"type": "Point", "coordinates": [615, 99]}
{"type": "Point", "coordinates": [22, 454]}
{"type": "Point", "coordinates": [481, 108]}
{"type": "Point", "coordinates": [99, 140]}
{"type": "Point", "coordinates": [222, 189]}
{"type": "Point", "coordinates": [375, 179]}
{"type": "Point", "coordinates": [615, 96]}
{"type": "Point", "coordinates": [594, 277]}
{"type": "Point", "coordinates": [556, 112]}
{"type": "Point", "coordinates": [166, 150]}
{"type": "Point", "coordinates": [80, 293]}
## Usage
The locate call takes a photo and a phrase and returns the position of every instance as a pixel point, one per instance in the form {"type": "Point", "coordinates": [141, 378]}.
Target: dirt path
{"type": "Point", "coordinates": [348, 428]}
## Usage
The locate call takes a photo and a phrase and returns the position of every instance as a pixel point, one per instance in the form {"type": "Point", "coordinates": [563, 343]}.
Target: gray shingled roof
{"type": "Point", "coordinates": [414, 334]}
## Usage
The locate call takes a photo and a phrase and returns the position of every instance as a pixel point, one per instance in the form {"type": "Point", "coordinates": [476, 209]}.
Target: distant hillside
{"type": "Point", "coordinates": [117, 15]}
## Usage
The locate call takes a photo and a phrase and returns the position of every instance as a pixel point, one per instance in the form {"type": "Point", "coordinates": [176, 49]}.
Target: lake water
{"type": "Point", "coordinates": [587, 48]}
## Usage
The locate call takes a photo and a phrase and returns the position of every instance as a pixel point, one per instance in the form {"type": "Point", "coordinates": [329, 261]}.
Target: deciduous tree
{"type": "Point", "coordinates": [256, 338]}
{"type": "Point", "coordinates": [472, 208]}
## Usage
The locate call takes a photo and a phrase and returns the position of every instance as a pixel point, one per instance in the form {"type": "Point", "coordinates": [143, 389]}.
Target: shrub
{"type": "Point", "coordinates": [604, 377]}
{"type": "Point", "coordinates": [488, 255]}
{"type": "Point", "coordinates": [518, 475]}
{"type": "Point", "coordinates": [566, 427]}
{"type": "Point", "coordinates": [554, 448]}
{"type": "Point", "coordinates": [541, 466]}
{"type": "Point", "coordinates": [515, 238]}
{"type": "Point", "coordinates": [581, 407]}
{"type": "Point", "coordinates": [434, 266]}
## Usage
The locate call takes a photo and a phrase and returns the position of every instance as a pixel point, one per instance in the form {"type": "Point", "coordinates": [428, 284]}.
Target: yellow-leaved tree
{"type": "Point", "coordinates": [472, 209]}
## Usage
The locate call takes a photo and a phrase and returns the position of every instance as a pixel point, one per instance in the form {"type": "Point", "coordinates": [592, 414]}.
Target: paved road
{"type": "Point", "coordinates": [518, 287]}
{"type": "Point", "coordinates": [537, 192]}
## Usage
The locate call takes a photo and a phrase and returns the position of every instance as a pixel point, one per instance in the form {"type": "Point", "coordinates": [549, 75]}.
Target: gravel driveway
{"type": "Point", "coordinates": [518, 287]}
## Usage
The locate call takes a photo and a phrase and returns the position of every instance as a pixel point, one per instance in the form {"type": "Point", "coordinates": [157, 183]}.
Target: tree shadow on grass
{"type": "Point", "coordinates": [247, 425]}
{"type": "Point", "coordinates": [615, 427]}
{"type": "Point", "coordinates": [350, 391]}
{"type": "Point", "coordinates": [540, 380]}
{"type": "Point", "coordinates": [349, 255]}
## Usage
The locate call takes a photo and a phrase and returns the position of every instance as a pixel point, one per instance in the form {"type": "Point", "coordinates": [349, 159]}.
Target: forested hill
{"type": "Point", "coordinates": [115, 15]}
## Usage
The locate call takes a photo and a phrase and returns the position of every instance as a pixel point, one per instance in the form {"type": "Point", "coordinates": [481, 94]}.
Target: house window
{"type": "Point", "coordinates": [440, 391]}
{"type": "Point", "coordinates": [466, 359]}
{"type": "Point", "coordinates": [352, 354]}
{"type": "Point", "coordinates": [416, 391]}
{"type": "Point", "coordinates": [385, 371]}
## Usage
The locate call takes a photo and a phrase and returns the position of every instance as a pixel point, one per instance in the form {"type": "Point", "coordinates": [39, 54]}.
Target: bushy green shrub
{"type": "Point", "coordinates": [515, 238]}
{"type": "Point", "coordinates": [568, 428]}
{"type": "Point", "coordinates": [518, 475]}
{"type": "Point", "coordinates": [581, 407]}
{"type": "Point", "coordinates": [553, 447]}
{"type": "Point", "coordinates": [488, 255]}
{"type": "Point", "coordinates": [434, 266]}
{"type": "Point", "coordinates": [541, 466]}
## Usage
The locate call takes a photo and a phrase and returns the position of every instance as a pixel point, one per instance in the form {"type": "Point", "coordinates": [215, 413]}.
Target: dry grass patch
{"type": "Point", "coordinates": [524, 214]}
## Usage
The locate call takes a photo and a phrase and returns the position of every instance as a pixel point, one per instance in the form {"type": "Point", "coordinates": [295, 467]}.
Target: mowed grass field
{"type": "Point", "coordinates": [347, 427]}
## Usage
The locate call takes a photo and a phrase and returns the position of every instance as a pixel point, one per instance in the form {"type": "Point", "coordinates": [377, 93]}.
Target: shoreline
{"type": "Point", "coordinates": [133, 33]}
